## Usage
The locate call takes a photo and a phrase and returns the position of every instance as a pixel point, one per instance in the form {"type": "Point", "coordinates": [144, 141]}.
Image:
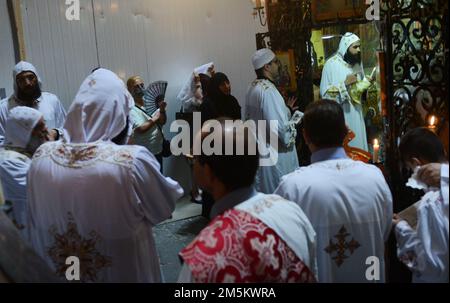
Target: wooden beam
{"type": "Point", "coordinates": [15, 17]}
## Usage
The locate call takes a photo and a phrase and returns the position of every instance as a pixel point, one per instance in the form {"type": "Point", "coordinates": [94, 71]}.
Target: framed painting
{"type": "Point", "coordinates": [288, 79]}
{"type": "Point", "coordinates": [325, 10]}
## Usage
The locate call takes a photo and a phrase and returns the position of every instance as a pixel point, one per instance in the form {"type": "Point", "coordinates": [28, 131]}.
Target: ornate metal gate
{"type": "Point", "coordinates": [416, 39]}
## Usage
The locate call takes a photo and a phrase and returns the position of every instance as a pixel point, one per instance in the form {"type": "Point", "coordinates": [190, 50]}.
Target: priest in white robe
{"type": "Point", "coordinates": [25, 132]}
{"type": "Point", "coordinates": [348, 202]}
{"type": "Point", "coordinates": [265, 103]}
{"type": "Point", "coordinates": [97, 200]}
{"type": "Point", "coordinates": [253, 237]}
{"type": "Point", "coordinates": [28, 92]}
{"type": "Point", "coordinates": [424, 248]}
{"type": "Point", "coordinates": [340, 73]}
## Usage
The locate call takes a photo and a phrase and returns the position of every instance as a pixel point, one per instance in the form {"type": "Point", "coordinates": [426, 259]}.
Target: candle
{"type": "Point", "coordinates": [258, 3]}
{"type": "Point", "coordinates": [432, 122]}
{"type": "Point", "coordinates": [376, 150]}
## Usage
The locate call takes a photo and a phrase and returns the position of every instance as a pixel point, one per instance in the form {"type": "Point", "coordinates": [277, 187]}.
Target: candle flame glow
{"type": "Point", "coordinates": [432, 121]}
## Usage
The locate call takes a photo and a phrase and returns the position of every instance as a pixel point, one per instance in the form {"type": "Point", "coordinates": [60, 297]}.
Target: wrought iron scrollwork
{"type": "Point", "coordinates": [289, 23]}
{"type": "Point", "coordinates": [417, 42]}
{"type": "Point", "coordinates": [290, 27]}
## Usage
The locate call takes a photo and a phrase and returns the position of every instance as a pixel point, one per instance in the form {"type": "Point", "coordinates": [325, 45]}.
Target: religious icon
{"type": "Point", "coordinates": [288, 79]}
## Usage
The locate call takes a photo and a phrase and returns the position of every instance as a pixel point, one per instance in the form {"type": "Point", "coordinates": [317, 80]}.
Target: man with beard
{"type": "Point", "coordinates": [265, 103]}
{"type": "Point", "coordinates": [27, 92]}
{"type": "Point", "coordinates": [25, 131]}
{"type": "Point", "coordinates": [340, 73]}
{"type": "Point", "coordinates": [101, 197]}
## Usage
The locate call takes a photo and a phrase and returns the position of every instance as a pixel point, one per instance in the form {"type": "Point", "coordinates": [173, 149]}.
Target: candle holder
{"type": "Point", "coordinates": [259, 11]}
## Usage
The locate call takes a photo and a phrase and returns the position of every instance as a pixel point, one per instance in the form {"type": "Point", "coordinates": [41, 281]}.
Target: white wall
{"type": "Point", "coordinates": [157, 39]}
{"type": "Point", "coordinates": [7, 60]}
{"type": "Point", "coordinates": [63, 52]}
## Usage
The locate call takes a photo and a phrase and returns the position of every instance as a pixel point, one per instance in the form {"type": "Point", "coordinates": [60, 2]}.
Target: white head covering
{"type": "Point", "coordinates": [100, 109]}
{"type": "Point", "coordinates": [347, 40]}
{"type": "Point", "coordinates": [21, 67]}
{"type": "Point", "coordinates": [188, 90]}
{"type": "Point", "coordinates": [19, 126]}
{"type": "Point", "coordinates": [262, 57]}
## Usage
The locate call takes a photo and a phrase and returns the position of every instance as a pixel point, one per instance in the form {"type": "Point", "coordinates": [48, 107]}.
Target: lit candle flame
{"type": "Point", "coordinates": [376, 151]}
{"type": "Point", "coordinates": [432, 121]}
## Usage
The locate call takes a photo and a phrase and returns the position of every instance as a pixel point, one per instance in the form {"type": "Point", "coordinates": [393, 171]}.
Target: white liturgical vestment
{"type": "Point", "coordinates": [332, 86]}
{"type": "Point", "coordinates": [252, 238]}
{"type": "Point", "coordinates": [265, 103]}
{"type": "Point", "coordinates": [13, 174]}
{"type": "Point", "coordinates": [15, 161]}
{"type": "Point", "coordinates": [48, 104]}
{"type": "Point", "coordinates": [95, 200]}
{"type": "Point", "coordinates": [349, 205]}
{"type": "Point", "coordinates": [424, 250]}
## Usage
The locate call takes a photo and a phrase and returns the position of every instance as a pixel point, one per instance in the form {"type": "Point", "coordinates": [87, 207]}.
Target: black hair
{"type": "Point", "coordinates": [423, 144]}
{"type": "Point", "coordinates": [324, 123]}
{"type": "Point", "coordinates": [237, 170]}
{"type": "Point", "coordinates": [204, 80]}
{"type": "Point", "coordinates": [213, 87]}
{"type": "Point", "coordinates": [260, 73]}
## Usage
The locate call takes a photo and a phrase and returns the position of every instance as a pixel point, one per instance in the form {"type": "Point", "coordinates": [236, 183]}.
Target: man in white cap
{"type": "Point", "coordinates": [27, 92]}
{"type": "Point", "coordinates": [265, 103]}
{"type": "Point", "coordinates": [340, 73]}
{"type": "Point", "coordinates": [96, 199]}
{"type": "Point", "coordinates": [25, 132]}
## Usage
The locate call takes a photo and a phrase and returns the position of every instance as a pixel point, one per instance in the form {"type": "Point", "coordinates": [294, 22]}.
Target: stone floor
{"type": "Point", "coordinates": [170, 239]}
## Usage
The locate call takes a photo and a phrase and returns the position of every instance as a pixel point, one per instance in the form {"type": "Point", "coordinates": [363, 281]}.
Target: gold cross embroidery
{"type": "Point", "coordinates": [342, 246]}
{"type": "Point", "coordinates": [72, 243]}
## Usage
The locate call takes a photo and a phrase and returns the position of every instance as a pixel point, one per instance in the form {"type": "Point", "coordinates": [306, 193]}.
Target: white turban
{"type": "Point", "coordinates": [347, 40]}
{"type": "Point", "coordinates": [262, 57]}
{"type": "Point", "coordinates": [100, 109]}
{"type": "Point", "coordinates": [20, 124]}
{"type": "Point", "coordinates": [21, 67]}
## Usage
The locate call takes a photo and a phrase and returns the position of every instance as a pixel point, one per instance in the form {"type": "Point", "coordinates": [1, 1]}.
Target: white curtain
{"type": "Point", "coordinates": [157, 39]}
{"type": "Point", "coordinates": [7, 60]}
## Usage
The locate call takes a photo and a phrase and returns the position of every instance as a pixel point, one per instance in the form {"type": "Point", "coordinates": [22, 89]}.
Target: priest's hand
{"type": "Point", "coordinates": [351, 79]}
{"type": "Point", "coordinates": [430, 174]}
{"type": "Point", "coordinates": [396, 219]}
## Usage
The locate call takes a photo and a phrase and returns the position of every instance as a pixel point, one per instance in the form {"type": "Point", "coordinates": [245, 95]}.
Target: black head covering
{"type": "Point", "coordinates": [216, 81]}
{"type": "Point", "coordinates": [205, 80]}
